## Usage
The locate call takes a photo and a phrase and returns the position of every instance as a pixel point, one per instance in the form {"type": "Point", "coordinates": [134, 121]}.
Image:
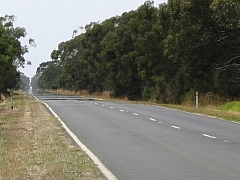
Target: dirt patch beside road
{"type": "Point", "coordinates": [33, 145]}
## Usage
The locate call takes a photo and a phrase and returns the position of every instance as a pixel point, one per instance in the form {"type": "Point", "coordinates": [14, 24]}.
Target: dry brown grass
{"type": "Point", "coordinates": [105, 94]}
{"type": "Point", "coordinates": [33, 145]}
{"type": "Point", "coordinates": [205, 100]}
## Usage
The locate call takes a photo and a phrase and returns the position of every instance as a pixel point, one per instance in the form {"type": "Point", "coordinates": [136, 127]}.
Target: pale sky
{"type": "Point", "coordinates": [51, 22]}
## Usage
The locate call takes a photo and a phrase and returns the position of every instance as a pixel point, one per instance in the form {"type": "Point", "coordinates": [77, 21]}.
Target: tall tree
{"type": "Point", "coordinates": [11, 52]}
{"type": "Point", "coordinates": [155, 53]}
{"type": "Point", "coordinates": [226, 16]}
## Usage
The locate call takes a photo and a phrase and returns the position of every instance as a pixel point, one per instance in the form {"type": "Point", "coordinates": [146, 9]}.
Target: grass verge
{"type": "Point", "coordinates": [33, 145]}
{"type": "Point", "coordinates": [215, 111]}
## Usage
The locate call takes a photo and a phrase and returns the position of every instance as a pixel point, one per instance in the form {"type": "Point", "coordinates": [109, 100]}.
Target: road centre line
{"type": "Point", "coordinates": [152, 119]}
{"type": "Point", "coordinates": [206, 135]}
{"type": "Point", "coordinates": [175, 127]}
{"type": "Point", "coordinates": [135, 114]}
{"type": "Point", "coordinates": [121, 110]}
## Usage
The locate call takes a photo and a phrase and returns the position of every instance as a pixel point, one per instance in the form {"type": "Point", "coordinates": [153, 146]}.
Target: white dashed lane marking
{"type": "Point", "coordinates": [206, 135]}
{"type": "Point", "coordinates": [151, 119]}
{"type": "Point", "coordinates": [154, 120]}
{"type": "Point", "coordinates": [175, 127]}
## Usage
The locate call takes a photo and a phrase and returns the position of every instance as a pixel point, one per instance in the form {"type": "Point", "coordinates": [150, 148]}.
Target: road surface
{"type": "Point", "coordinates": [142, 142]}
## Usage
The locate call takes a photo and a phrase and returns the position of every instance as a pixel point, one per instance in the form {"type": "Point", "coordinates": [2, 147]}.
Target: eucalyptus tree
{"type": "Point", "coordinates": [189, 46]}
{"type": "Point", "coordinates": [226, 15]}
{"type": "Point", "coordinates": [11, 52]}
{"type": "Point", "coordinates": [49, 77]}
{"type": "Point", "coordinates": [156, 53]}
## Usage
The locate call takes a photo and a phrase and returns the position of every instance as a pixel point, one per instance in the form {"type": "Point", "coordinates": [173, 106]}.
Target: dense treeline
{"type": "Point", "coordinates": [11, 53]}
{"type": "Point", "coordinates": [34, 82]}
{"type": "Point", "coordinates": [24, 83]}
{"type": "Point", "coordinates": [153, 53]}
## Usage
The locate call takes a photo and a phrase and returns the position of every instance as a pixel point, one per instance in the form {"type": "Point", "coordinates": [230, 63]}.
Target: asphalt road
{"type": "Point", "coordinates": [141, 142]}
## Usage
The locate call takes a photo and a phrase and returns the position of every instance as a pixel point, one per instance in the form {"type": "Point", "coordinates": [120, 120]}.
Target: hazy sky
{"type": "Point", "coordinates": [51, 22]}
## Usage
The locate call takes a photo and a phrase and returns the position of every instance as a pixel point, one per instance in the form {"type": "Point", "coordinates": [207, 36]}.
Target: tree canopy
{"type": "Point", "coordinates": [11, 52]}
{"type": "Point", "coordinates": [158, 53]}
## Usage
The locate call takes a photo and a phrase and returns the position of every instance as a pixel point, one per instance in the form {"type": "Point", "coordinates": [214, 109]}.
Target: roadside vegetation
{"type": "Point", "coordinates": [157, 53]}
{"type": "Point", "coordinates": [12, 53]}
{"type": "Point", "coordinates": [231, 107]}
{"type": "Point", "coordinates": [33, 145]}
{"type": "Point", "coordinates": [214, 111]}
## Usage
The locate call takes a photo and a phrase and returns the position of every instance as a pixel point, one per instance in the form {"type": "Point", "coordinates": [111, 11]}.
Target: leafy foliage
{"type": "Point", "coordinates": [11, 53]}
{"type": "Point", "coordinates": [24, 82]}
{"type": "Point", "coordinates": [159, 53]}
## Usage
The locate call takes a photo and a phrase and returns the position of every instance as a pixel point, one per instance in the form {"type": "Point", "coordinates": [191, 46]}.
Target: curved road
{"type": "Point", "coordinates": [141, 142]}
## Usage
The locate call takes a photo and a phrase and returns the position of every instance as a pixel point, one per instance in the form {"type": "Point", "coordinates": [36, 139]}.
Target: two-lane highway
{"type": "Point", "coordinates": [141, 142]}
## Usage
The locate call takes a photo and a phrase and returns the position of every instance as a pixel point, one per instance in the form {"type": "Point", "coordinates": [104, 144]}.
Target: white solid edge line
{"type": "Point", "coordinates": [108, 174]}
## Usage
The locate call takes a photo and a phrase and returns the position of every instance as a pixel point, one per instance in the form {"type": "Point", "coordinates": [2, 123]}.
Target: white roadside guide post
{"type": "Point", "coordinates": [196, 100]}
{"type": "Point", "coordinates": [11, 101]}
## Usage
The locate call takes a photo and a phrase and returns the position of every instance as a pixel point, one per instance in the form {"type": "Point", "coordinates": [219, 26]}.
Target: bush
{"type": "Point", "coordinates": [205, 100]}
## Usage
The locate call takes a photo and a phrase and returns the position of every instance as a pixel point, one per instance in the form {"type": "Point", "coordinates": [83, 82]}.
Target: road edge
{"type": "Point", "coordinates": [104, 170]}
